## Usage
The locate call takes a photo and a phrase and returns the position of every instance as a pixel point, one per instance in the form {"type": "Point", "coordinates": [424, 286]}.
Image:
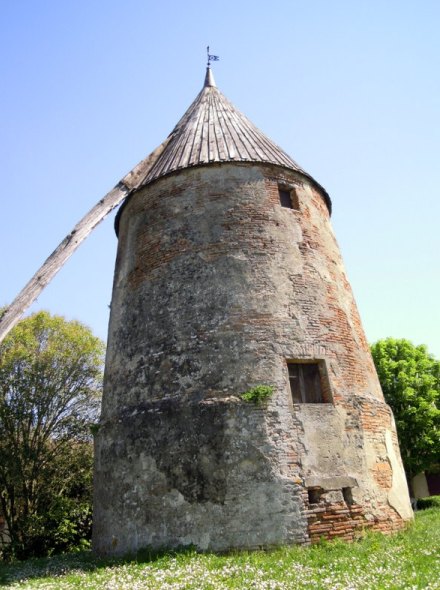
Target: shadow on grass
{"type": "Point", "coordinates": [81, 562]}
{"type": "Point", "coordinates": [430, 502]}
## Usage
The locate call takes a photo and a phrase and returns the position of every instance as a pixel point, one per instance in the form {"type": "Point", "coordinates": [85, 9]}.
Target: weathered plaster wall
{"type": "Point", "coordinates": [197, 474]}
{"type": "Point", "coordinates": [216, 285]}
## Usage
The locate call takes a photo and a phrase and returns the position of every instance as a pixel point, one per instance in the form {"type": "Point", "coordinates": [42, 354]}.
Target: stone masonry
{"type": "Point", "coordinates": [217, 288]}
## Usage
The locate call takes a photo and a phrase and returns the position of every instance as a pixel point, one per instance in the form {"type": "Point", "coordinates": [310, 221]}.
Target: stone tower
{"type": "Point", "coordinates": [228, 276]}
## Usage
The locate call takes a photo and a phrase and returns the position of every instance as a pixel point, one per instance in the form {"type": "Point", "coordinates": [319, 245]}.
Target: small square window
{"type": "Point", "coordinates": [307, 383]}
{"type": "Point", "coordinates": [314, 495]}
{"type": "Point", "coordinates": [348, 496]}
{"type": "Point", "coordinates": [288, 197]}
{"type": "Point", "coordinates": [285, 198]}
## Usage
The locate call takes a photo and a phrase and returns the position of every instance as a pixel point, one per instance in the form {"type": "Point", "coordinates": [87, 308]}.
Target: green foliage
{"type": "Point", "coordinates": [406, 560]}
{"type": "Point", "coordinates": [50, 386]}
{"type": "Point", "coordinates": [258, 394]}
{"type": "Point", "coordinates": [410, 380]}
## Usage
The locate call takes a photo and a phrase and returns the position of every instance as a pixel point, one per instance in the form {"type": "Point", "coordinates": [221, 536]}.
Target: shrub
{"type": "Point", "coordinates": [258, 394]}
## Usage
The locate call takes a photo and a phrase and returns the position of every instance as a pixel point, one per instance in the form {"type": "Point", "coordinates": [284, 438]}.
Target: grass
{"type": "Point", "coordinates": [408, 560]}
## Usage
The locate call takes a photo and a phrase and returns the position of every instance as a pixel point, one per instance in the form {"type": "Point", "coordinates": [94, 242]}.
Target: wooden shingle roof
{"type": "Point", "coordinates": [211, 131]}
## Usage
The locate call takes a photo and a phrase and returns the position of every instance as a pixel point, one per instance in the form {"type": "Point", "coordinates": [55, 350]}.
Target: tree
{"type": "Point", "coordinates": [50, 386]}
{"type": "Point", "coordinates": [410, 380]}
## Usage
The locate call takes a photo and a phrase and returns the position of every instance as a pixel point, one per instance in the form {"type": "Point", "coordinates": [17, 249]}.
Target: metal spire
{"type": "Point", "coordinates": [209, 78]}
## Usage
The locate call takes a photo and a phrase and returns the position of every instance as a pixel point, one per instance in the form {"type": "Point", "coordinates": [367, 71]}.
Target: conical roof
{"type": "Point", "coordinates": [212, 131]}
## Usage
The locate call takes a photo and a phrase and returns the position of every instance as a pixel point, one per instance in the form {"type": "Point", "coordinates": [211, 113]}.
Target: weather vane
{"type": "Point", "coordinates": [211, 57]}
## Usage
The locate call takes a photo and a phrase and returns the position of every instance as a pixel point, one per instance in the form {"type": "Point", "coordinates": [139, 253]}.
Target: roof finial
{"type": "Point", "coordinates": [209, 78]}
{"type": "Point", "coordinates": [211, 57]}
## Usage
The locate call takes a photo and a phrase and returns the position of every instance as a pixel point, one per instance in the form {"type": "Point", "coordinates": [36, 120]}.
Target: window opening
{"type": "Point", "coordinates": [288, 197]}
{"type": "Point", "coordinates": [285, 198]}
{"type": "Point", "coordinates": [348, 496]}
{"type": "Point", "coordinates": [307, 384]}
{"type": "Point", "coordinates": [314, 495]}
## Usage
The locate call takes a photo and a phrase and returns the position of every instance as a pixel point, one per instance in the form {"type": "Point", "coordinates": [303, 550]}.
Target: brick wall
{"type": "Point", "coordinates": [216, 286]}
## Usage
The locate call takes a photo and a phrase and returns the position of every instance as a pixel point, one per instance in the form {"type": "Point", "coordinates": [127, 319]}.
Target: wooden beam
{"type": "Point", "coordinates": [59, 257]}
{"type": "Point", "coordinates": [72, 241]}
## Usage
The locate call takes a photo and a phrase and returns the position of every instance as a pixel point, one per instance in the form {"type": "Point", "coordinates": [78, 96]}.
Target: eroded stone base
{"type": "Point", "coordinates": [172, 474]}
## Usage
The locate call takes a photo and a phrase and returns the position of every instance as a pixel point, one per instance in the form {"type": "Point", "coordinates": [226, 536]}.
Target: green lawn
{"type": "Point", "coordinates": [408, 560]}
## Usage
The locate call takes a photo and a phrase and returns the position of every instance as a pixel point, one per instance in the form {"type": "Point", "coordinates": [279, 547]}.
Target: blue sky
{"type": "Point", "coordinates": [350, 89]}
